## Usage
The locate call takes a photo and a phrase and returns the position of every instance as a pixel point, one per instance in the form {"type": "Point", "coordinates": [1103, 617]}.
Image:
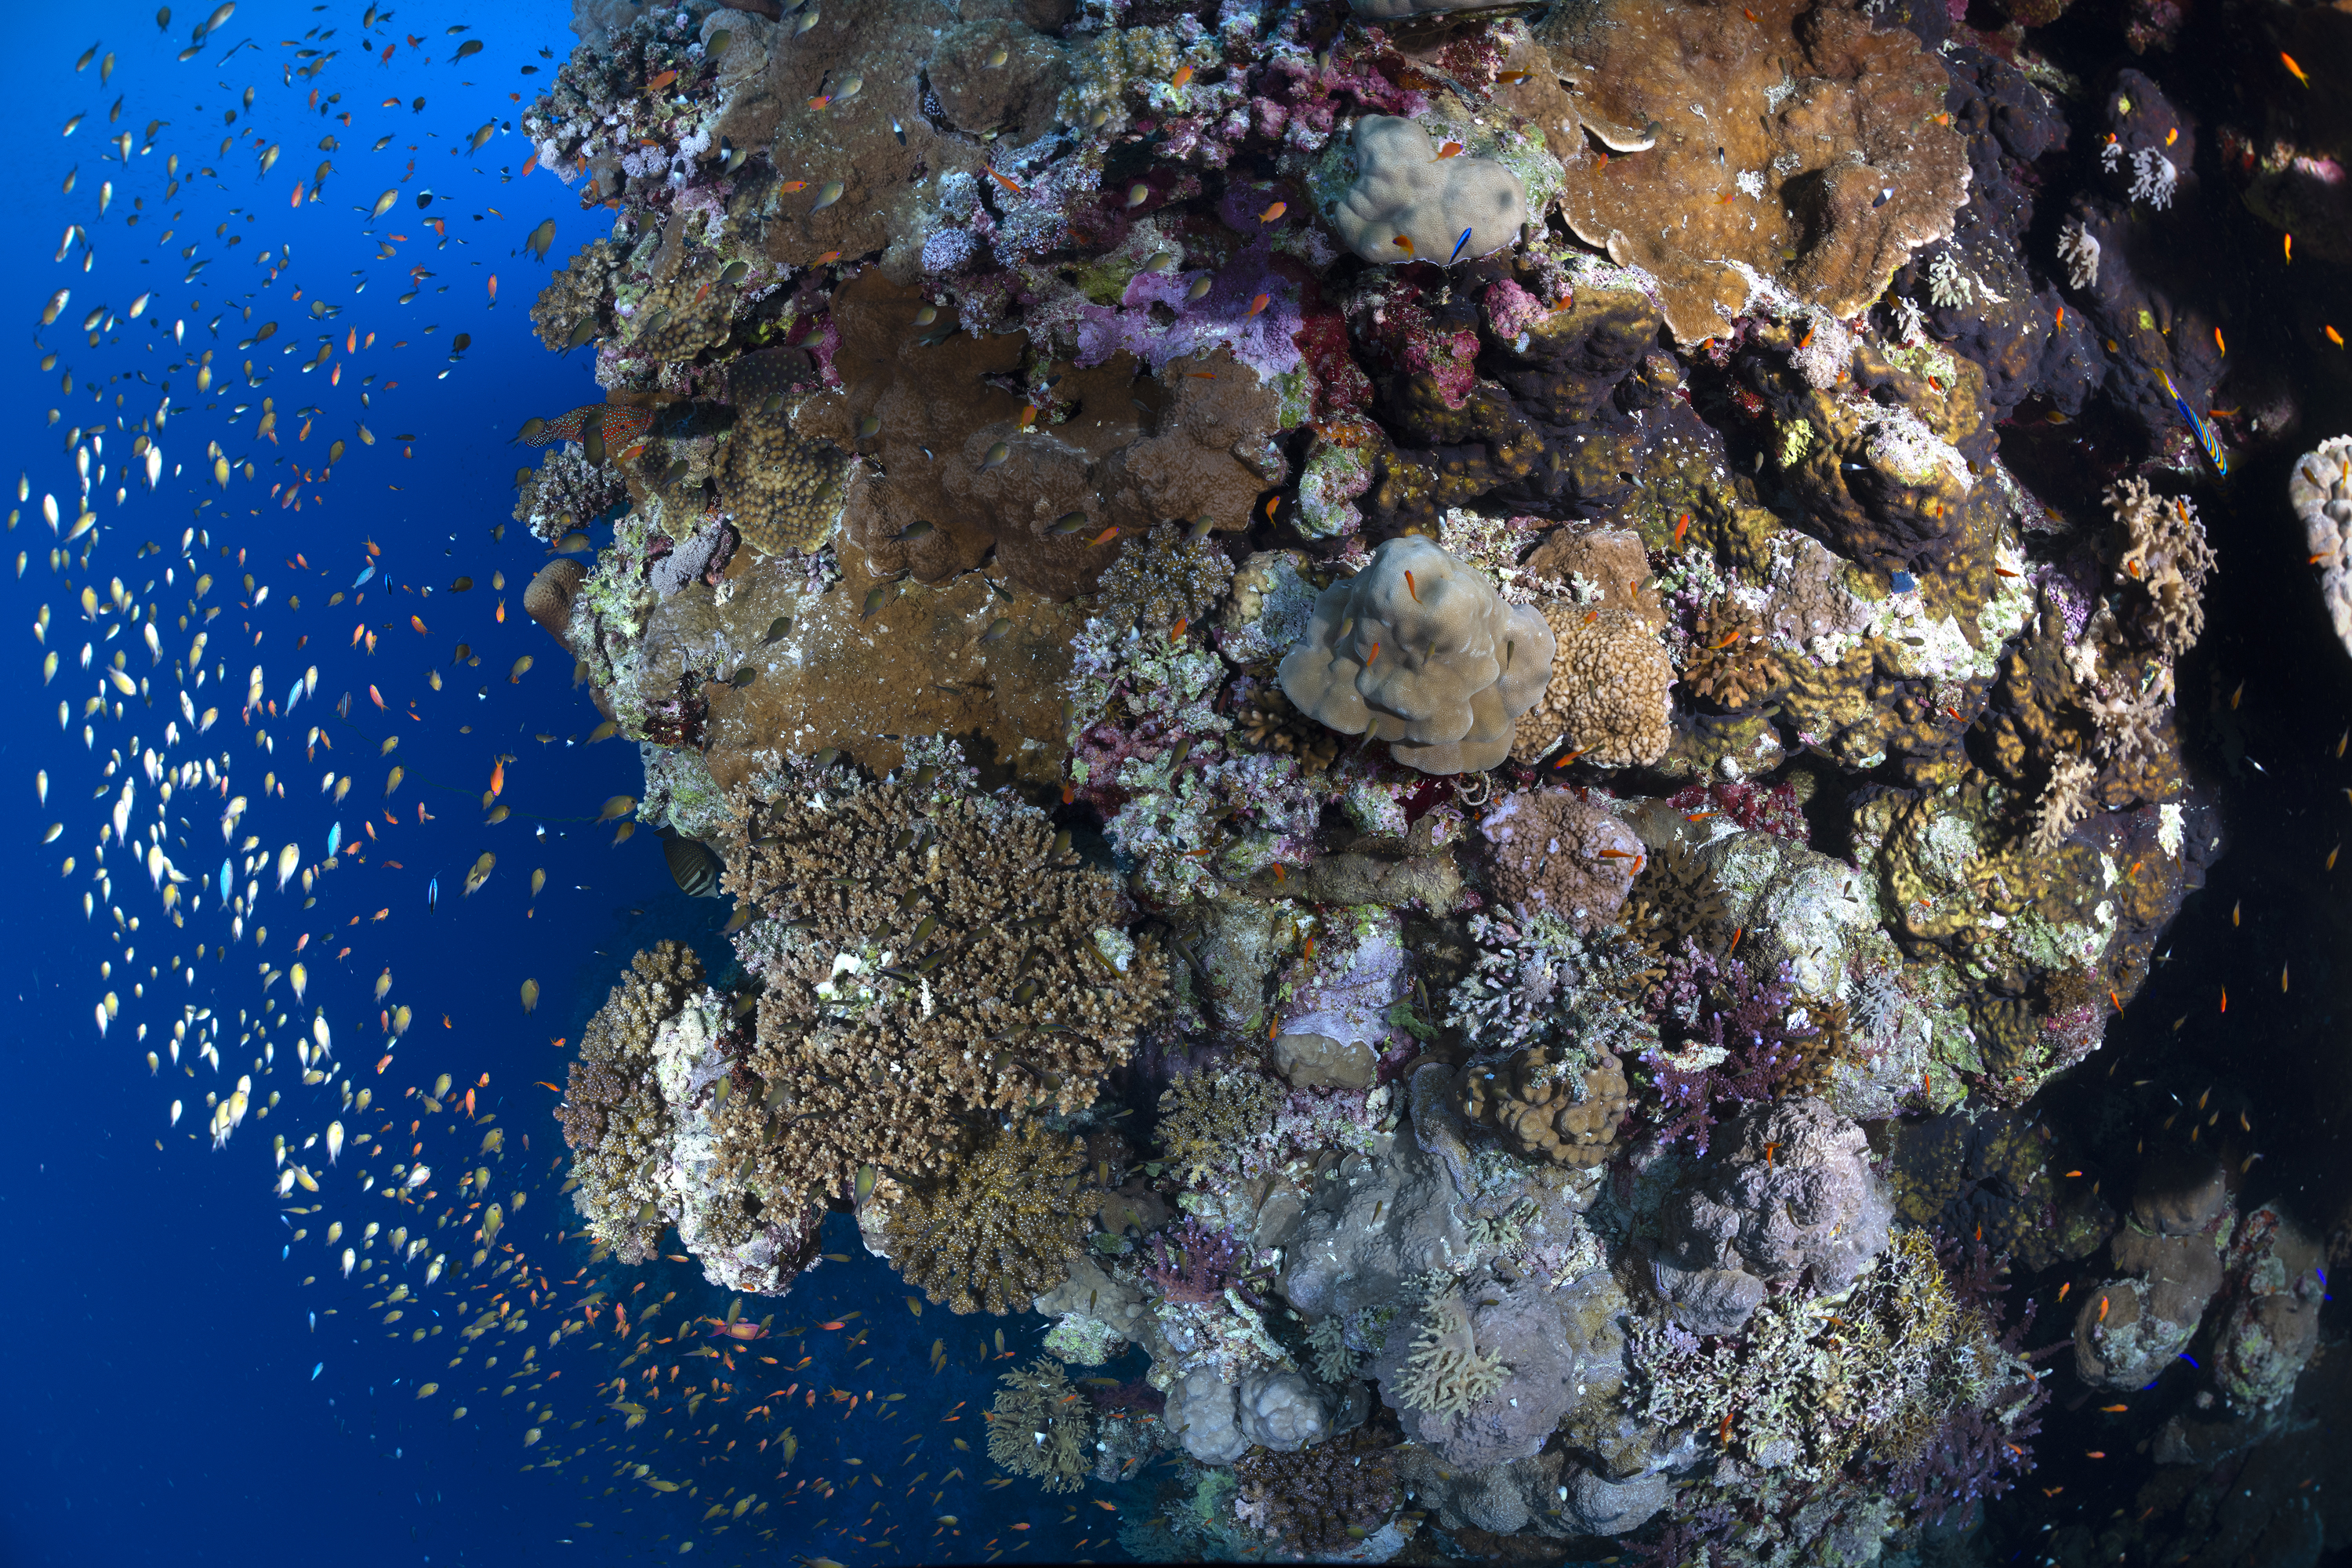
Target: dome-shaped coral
{"type": "Point", "coordinates": [1531, 1098]}
{"type": "Point", "coordinates": [1418, 650]}
{"type": "Point", "coordinates": [1408, 204]}
{"type": "Point", "coordinates": [1557, 853]}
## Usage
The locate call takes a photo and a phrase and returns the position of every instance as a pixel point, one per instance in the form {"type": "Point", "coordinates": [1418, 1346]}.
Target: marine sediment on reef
{"type": "Point", "coordinates": [1385, 721]}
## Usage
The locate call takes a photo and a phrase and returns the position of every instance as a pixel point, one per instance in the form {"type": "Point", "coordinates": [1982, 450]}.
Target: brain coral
{"type": "Point", "coordinates": [2320, 491]}
{"type": "Point", "coordinates": [1607, 698]}
{"type": "Point", "coordinates": [1418, 650]}
{"type": "Point", "coordinates": [931, 956]}
{"type": "Point", "coordinates": [1557, 853]}
{"type": "Point", "coordinates": [1001, 1227]}
{"type": "Point", "coordinates": [1407, 204]}
{"type": "Point", "coordinates": [1791, 139]}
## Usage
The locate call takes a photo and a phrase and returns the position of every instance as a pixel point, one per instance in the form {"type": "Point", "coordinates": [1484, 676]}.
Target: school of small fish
{"type": "Point", "coordinates": [181, 657]}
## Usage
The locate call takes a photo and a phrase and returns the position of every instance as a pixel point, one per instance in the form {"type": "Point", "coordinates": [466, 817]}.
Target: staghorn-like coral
{"type": "Point", "coordinates": [614, 1116]}
{"type": "Point", "coordinates": [928, 955]}
{"type": "Point", "coordinates": [1040, 1427]}
{"type": "Point", "coordinates": [1001, 1227]}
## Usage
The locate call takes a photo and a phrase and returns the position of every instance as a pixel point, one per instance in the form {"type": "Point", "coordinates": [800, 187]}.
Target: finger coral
{"type": "Point", "coordinates": [1606, 699]}
{"type": "Point", "coordinates": [1408, 204]}
{"type": "Point", "coordinates": [1447, 1372]}
{"type": "Point", "coordinates": [613, 1114]}
{"type": "Point", "coordinates": [1001, 1227]}
{"type": "Point", "coordinates": [1418, 650]}
{"type": "Point", "coordinates": [928, 956]}
{"type": "Point", "coordinates": [1543, 1109]}
{"type": "Point", "coordinates": [1040, 1427]}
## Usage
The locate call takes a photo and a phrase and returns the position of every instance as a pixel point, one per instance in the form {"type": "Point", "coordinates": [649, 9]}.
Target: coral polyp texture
{"type": "Point", "coordinates": [2320, 490]}
{"type": "Point", "coordinates": [1459, 722]}
{"type": "Point", "coordinates": [1418, 650]}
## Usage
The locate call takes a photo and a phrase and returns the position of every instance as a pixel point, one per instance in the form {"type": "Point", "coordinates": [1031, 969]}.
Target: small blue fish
{"type": "Point", "coordinates": [364, 575]}
{"type": "Point", "coordinates": [293, 697]}
{"type": "Point", "coordinates": [433, 894]}
{"type": "Point", "coordinates": [317, 1370]}
{"type": "Point", "coordinates": [2197, 425]}
{"type": "Point", "coordinates": [226, 881]}
{"type": "Point", "coordinates": [334, 839]}
{"type": "Point", "coordinates": [1457, 248]}
{"type": "Point", "coordinates": [2191, 1360]}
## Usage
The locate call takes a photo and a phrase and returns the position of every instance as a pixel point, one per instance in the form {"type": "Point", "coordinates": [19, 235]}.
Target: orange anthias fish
{"type": "Point", "coordinates": [1450, 149]}
{"type": "Point", "coordinates": [1405, 243]}
{"type": "Point", "coordinates": [794, 185]}
{"type": "Point", "coordinates": [1013, 185]}
{"type": "Point", "coordinates": [2288, 60]}
{"type": "Point", "coordinates": [1260, 303]}
{"type": "Point", "coordinates": [661, 81]}
{"type": "Point", "coordinates": [1184, 74]}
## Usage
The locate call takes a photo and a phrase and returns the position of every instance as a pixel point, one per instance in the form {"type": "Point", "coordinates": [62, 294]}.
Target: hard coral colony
{"type": "Point", "coordinates": [1374, 593]}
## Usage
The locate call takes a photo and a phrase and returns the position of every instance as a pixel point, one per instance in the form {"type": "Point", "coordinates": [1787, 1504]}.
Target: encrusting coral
{"type": "Point", "coordinates": [1318, 1501]}
{"type": "Point", "coordinates": [1557, 853]}
{"type": "Point", "coordinates": [1040, 1427]}
{"type": "Point", "coordinates": [1000, 1228]}
{"type": "Point", "coordinates": [1461, 664]}
{"type": "Point", "coordinates": [928, 955]}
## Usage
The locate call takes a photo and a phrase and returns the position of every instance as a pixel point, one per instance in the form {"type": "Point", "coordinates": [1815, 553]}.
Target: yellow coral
{"type": "Point", "coordinates": [1607, 697]}
{"type": "Point", "coordinates": [999, 1230]}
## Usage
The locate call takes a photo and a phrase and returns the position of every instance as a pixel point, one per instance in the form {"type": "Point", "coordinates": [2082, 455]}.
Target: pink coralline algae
{"type": "Point", "coordinates": [1220, 319]}
{"type": "Point", "coordinates": [1757, 809]}
{"type": "Point", "coordinates": [1511, 309]}
{"type": "Point", "coordinates": [1391, 317]}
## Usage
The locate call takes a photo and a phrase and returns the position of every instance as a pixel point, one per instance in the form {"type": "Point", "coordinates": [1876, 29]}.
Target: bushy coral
{"type": "Point", "coordinates": [613, 1115]}
{"type": "Point", "coordinates": [928, 955]}
{"type": "Point", "coordinates": [1210, 1121]}
{"type": "Point", "coordinates": [1729, 1037]}
{"type": "Point", "coordinates": [1039, 1426]}
{"type": "Point", "coordinates": [1320, 1501]}
{"type": "Point", "coordinates": [1000, 1228]}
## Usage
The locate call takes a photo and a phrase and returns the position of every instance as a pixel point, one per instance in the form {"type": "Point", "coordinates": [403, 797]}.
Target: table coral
{"type": "Point", "coordinates": [1462, 665]}
{"type": "Point", "coordinates": [1001, 1227]}
{"type": "Point", "coordinates": [1810, 160]}
{"type": "Point", "coordinates": [928, 955]}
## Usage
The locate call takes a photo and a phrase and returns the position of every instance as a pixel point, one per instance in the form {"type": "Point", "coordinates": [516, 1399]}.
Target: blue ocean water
{"type": "Point", "coordinates": [192, 1381]}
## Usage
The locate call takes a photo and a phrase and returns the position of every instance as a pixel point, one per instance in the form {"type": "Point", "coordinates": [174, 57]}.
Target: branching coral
{"type": "Point", "coordinates": [1167, 580]}
{"type": "Point", "coordinates": [1732, 663]}
{"type": "Point", "coordinates": [1606, 699]}
{"type": "Point", "coordinates": [1540, 982]}
{"type": "Point", "coordinates": [1320, 1501]}
{"type": "Point", "coordinates": [1730, 1037]}
{"type": "Point", "coordinates": [1810, 1383]}
{"type": "Point", "coordinates": [999, 1230]}
{"type": "Point", "coordinates": [1208, 1121]}
{"type": "Point", "coordinates": [613, 1114]}
{"type": "Point", "coordinates": [1447, 1373]}
{"type": "Point", "coordinates": [1040, 1427]}
{"type": "Point", "coordinates": [928, 955]}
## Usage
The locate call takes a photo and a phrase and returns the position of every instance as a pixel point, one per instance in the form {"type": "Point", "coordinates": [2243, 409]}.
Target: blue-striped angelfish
{"type": "Point", "coordinates": [2199, 425]}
